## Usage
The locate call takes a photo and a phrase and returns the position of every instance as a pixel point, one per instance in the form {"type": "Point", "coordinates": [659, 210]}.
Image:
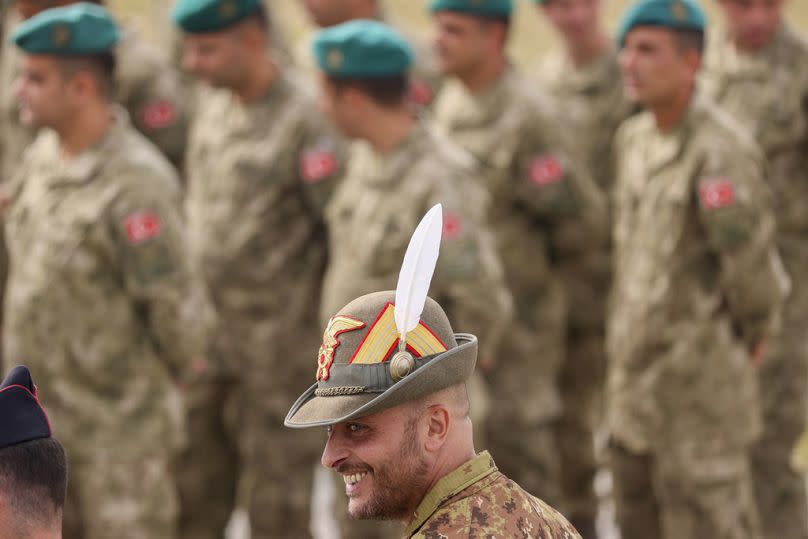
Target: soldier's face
{"type": "Point", "coordinates": [655, 68]}
{"type": "Point", "coordinates": [214, 58]}
{"type": "Point", "coordinates": [575, 20]}
{"type": "Point", "coordinates": [383, 463]}
{"type": "Point", "coordinates": [752, 23]}
{"type": "Point", "coordinates": [461, 42]}
{"type": "Point", "coordinates": [42, 91]}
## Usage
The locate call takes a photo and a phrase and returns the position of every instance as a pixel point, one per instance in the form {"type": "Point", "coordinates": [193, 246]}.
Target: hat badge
{"type": "Point", "coordinates": [334, 59]}
{"type": "Point", "coordinates": [401, 365]}
{"type": "Point", "coordinates": [227, 9]}
{"type": "Point", "coordinates": [679, 11]}
{"type": "Point", "coordinates": [60, 35]}
{"type": "Point", "coordinates": [336, 327]}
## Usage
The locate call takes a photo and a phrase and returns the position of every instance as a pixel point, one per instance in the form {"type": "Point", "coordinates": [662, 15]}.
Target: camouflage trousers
{"type": "Point", "coordinates": [779, 490]}
{"type": "Point", "coordinates": [240, 446]}
{"type": "Point", "coordinates": [581, 385]}
{"type": "Point", "coordinates": [665, 496]}
{"type": "Point", "coordinates": [116, 492]}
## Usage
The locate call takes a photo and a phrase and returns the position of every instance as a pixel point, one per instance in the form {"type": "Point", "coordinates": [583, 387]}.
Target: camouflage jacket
{"type": "Point", "coordinates": [259, 177]}
{"type": "Point", "coordinates": [476, 500]}
{"type": "Point", "coordinates": [96, 301]}
{"type": "Point", "coordinates": [698, 282]}
{"type": "Point", "coordinates": [594, 106]}
{"type": "Point", "coordinates": [145, 84]}
{"type": "Point", "coordinates": [767, 93]}
{"type": "Point", "coordinates": [378, 207]}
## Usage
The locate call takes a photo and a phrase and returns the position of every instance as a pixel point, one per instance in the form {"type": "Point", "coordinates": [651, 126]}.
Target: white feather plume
{"type": "Point", "coordinates": [417, 270]}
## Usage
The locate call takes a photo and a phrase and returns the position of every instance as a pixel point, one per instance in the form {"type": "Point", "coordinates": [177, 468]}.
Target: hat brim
{"type": "Point", "coordinates": [444, 370]}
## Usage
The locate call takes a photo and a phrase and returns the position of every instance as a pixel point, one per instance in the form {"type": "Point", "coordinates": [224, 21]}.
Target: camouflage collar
{"type": "Point", "coordinates": [450, 485]}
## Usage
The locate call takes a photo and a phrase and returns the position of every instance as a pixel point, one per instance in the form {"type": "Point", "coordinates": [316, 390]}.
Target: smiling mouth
{"type": "Point", "coordinates": [352, 479]}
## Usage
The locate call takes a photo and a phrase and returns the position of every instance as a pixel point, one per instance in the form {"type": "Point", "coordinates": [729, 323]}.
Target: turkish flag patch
{"type": "Point", "coordinates": [158, 114]}
{"type": "Point", "coordinates": [421, 93]}
{"type": "Point", "coordinates": [546, 170]}
{"type": "Point", "coordinates": [141, 226]}
{"type": "Point", "coordinates": [716, 193]}
{"type": "Point", "coordinates": [452, 226]}
{"type": "Point", "coordinates": [317, 165]}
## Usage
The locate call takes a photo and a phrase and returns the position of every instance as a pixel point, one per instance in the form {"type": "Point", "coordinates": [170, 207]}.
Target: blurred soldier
{"type": "Point", "coordinates": [98, 278]}
{"type": "Point", "coordinates": [584, 79]}
{"type": "Point", "coordinates": [698, 286]}
{"type": "Point", "coordinates": [33, 467]}
{"type": "Point", "coordinates": [262, 163]}
{"type": "Point", "coordinates": [144, 83]}
{"type": "Point", "coordinates": [543, 207]}
{"type": "Point", "coordinates": [756, 67]}
{"type": "Point", "coordinates": [404, 168]}
{"type": "Point", "coordinates": [425, 81]}
{"type": "Point", "coordinates": [402, 439]}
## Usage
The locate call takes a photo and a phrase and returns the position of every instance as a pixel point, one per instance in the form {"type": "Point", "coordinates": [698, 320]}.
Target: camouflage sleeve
{"type": "Point", "coordinates": [469, 272]}
{"type": "Point", "coordinates": [158, 110]}
{"type": "Point", "coordinates": [322, 159]}
{"type": "Point", "coordinates": [151, 249]}
{"type": "Point", "coordinates": [735, 210]}
{"type": "Point", "coordinates": [553, 180]}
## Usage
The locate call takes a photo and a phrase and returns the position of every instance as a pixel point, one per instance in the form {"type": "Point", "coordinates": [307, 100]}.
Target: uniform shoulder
{"type": "Point", "coordinates": [720, 135]}
{"type": "Point", "coordinates": [137, 163]}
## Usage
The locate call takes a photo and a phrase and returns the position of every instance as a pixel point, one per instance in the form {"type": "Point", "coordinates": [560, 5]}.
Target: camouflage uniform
{"type": "Point", "coordinates": [768, 94]}
{"type": "Point", "coordinates": [476, 500]}
{"type": "Point", "coordinates": [594, 105]}
{"type": "Point", "coordinates": [368, 244]}
{"type": "Point", "coordinates": [96, 304]}
{"type": "Point", "coordinates": [259, 176]}
{"type": "Point", "coordinates": [542, 205]}
{"type": "Point", "coordinates": [698, 284]}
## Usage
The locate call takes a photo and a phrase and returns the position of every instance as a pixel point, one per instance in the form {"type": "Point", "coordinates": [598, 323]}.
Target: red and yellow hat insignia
{"type": "Point", "coordinates": [382, 339]}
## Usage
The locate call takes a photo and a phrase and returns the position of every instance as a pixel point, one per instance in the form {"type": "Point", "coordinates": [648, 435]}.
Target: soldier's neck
{"type": "Point", "coordinates": [481, 79]}
{"type": "Point", "coordinates": [85, 130]}
{"type": "Point", "coordinates": [256, 86]}
{"type": "Point", "coordinates": [585, 52]}
{"type": "Point", "coordinates": [394, 127]}
{"type": "Point", "coordinates": [669, 115]}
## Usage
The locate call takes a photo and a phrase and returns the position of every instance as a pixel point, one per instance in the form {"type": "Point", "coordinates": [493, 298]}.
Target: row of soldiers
{"type": "Point", "coordinates": [165, 319]}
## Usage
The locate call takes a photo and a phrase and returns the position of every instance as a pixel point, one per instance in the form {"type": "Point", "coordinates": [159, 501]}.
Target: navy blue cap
{"type": "Point", "coordinates": [22, 417]}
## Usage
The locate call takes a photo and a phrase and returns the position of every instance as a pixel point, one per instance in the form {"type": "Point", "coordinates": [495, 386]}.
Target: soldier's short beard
{"type": "Point", "coordinates": [400, 484]}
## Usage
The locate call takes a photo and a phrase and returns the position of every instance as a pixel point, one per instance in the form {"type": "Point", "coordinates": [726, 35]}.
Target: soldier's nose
{"type": "Point", "coordinates": [334, 453]}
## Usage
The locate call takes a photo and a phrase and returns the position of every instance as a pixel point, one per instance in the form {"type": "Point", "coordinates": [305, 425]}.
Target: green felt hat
{"type": "Point", "coordinates": [674, 14]}
{"type": "Point", "coordinates": [203, 16]}
{"type": "Point", "coordinates": [359, 368]}
{"type": "Point", "coordinates": [77, 29]}
{"type": "Point", "coordinates": [362, 49]}
{"type": "Point", "coordinates": [481, 8]}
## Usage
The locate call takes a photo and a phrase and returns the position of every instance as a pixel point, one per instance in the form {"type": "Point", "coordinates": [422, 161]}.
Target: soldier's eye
{"type": "Point", "coordinates": [353, 427]}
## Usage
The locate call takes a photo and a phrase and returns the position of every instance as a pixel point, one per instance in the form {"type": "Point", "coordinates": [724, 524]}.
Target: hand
{"type": "Point", "coordinates": [758, 354]}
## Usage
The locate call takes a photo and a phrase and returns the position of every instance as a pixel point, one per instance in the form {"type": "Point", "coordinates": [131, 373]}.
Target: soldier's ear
{"type": "Point", "coordinates": [438, 423]}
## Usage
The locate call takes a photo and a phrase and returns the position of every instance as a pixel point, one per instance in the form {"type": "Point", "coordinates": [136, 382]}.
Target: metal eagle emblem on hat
{"type": "Point", "coordinates": [334, 58]}
{"type": "Point", "coordinates": [679, 10]}
{"type": "Point", "coordinates": [60, 35]}
{"type": "Point", "coordinates": [227, 9]}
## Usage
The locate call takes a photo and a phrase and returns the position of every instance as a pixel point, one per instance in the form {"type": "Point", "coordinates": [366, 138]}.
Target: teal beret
{"type": "Point", "coordinates": [482, 8]}
{"type": "Point", "coordinates": [76, 29]}
{"type": "Point", "coordinates": [362, 49]}
{"type": "Point", "coordinates": [674, 14]}
{"type": "Point", "coordinates": [201, 16]}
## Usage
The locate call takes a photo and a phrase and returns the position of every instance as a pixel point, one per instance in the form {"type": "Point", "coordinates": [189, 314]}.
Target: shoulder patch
{"type": "Point", "coordinates": [158, 114]}
{"type": "Point", "coordinates": [716, 193]}
{"type": "Point", "coordinates": [141, 226]}
{"type": "Point", "coordinates": [545, 170]}
{"type": "Point", "coordinates": [317, 164]}
{"type": "Point", "coordinates": [421, 93]}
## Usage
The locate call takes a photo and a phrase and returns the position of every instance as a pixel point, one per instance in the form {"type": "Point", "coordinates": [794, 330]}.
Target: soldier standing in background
{"type": "Point", "coordinates": [544, 206]}
{"type": "Point", "coordinates": [262, 163]}
{"type": "Point", "coordinates": [401, 168]}
{"type": "Point", "coordinates": [98, 281]}
{"type": "Point", "coordinates": [756, 68]}
{"type": "Point", "coordinates": [698, 287]}
{"type": "Point", "coordinates": [425, 81]}
{"type": "Point", "coordinates": [584, 79]}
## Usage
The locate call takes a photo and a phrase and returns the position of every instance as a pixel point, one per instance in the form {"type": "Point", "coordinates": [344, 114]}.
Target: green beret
{"type": "Point", "coordinates": [201, 16]}
{"type": "Point", "coordinates": [674, 14]}
{"type": "Point", "coordinates": [482, 8]}
{"type": "Point", "coordinates": [362, 49]}
{"type": "Point", "coordinates": [76, 29]}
